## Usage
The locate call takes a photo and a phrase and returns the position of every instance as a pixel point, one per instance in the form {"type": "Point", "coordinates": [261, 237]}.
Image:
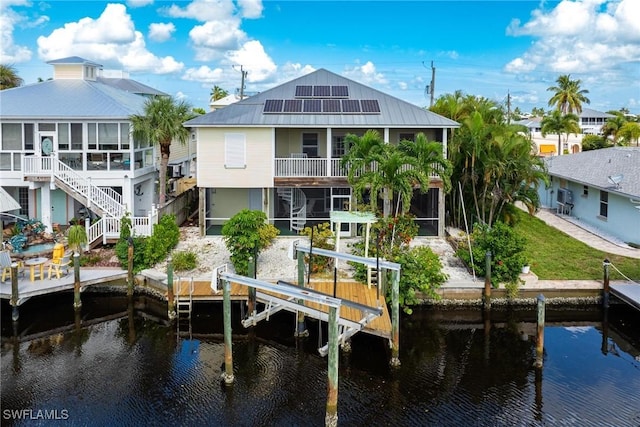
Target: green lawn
{"type": "Point", "coordinates": [554, 255]}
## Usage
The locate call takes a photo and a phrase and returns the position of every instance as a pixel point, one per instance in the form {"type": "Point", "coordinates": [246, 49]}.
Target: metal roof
{"type": "Point", "coordinates": [72, 99]}
{"type": "Point", "coordinates": [129, 85]}
{"type": "Point", "coordinates": [394, 112]}
{"type": "Point", "coordinates": [75, 60]}
{"type": "Point", "coordinates": [588, 113]}
{"type": "Point", "coordinates": [594, 167]}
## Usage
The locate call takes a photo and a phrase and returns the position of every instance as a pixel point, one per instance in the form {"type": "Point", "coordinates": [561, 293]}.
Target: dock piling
{"type": "Point", "coordinates": [486, 296]}
{"type": "Point", "coordinates": [251, 302]}
{"type": "Point", "coordinates": [395, 318]}
{"type": "Point", "coordinates": [301, 328]}
{"type": "Point", "coordinates": [540, 332]}
{"type": "Point", "coordinates": [227, 375]}
{"type": "Point", "coordinates": [130, 267]}
{"type": "Point", "coordinates": [171, 299]}
{"type": "Point", "coordinates": [331, 416]}
{"type": "Point", "coordinates": [14, 292]}
{"type": "Point", "coordinates": [77, 302]}
{"type": "Point", "coordinates": [605, 288]}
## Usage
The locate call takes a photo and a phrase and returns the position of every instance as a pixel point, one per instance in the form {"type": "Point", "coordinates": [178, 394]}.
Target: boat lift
{"type": "Point", "coordinates": [287, 296]}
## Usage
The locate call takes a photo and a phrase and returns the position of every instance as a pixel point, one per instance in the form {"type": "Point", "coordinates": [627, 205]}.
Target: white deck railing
{"type": "Point", "coordinates": [293, 167]}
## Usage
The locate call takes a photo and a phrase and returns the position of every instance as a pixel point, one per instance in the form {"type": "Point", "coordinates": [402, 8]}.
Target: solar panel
{"type": "Point", "coordinates": [331, 106]}
{"type": "Point", "coordinates": [273, 106]}
{"type": "Point", "coordinates": [322, 91]}
{"type": "Point", "coordinates": [340, 91]}
{"type": "Point", "coordinates": [293, 105]}
{"type": "Point", "coordinates": [350, 106]}
{"type": "Point", "coordinates": [370, 106]}
{"type": "Point", "coordinates": [302, 91]}
{"type": "Point", "coordinates": [312, 105]}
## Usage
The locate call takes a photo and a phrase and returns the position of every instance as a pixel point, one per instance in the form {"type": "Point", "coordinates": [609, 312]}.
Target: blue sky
{"type": "Point", "coordinates": [484, 48]}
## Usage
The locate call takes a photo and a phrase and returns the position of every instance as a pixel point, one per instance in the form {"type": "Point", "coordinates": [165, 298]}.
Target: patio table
{"type": "Point", "coordinates": [36, 262]}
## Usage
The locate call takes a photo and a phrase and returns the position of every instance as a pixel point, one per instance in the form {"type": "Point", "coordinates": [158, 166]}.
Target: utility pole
{"type": "Point", "coordinates": [508, 107]}
{"type": "Point", "coordinates": [431, 87]}
{"type": "Point", "coordinates": [243, 75]}
{"type": "Point", "coordinates": [433, 83]}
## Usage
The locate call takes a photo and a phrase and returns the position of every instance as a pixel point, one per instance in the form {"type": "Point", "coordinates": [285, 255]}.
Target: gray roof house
{"type": "Point", "coordinates": [279, 151]}
{"type": "Point", "coordinates": [66, 147]}
{"type": "Point", "coordinates": [601, 188]}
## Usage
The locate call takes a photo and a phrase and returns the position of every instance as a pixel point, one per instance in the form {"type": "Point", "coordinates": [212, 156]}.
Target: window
{"type": "Point", "coordinates": [585, 191]}
{"type": "Point", "coordinates": [235, 155]}
{"type": "Point", "coordinates": [28, 136]}
{"type": "Point", "coordinates": [338, 148]}
{"type": "Point", "coordinates": [63, 136]}
{"type": "Point", "coordinates": [11, 136]}
{"type": "Point", "coordinates": [108, 136]}
{"type": "Point", "coordinates": [604, 204]}
{"type": "Point", "coordinates": [76, 136]}
{"type": "Point", "coordinates": [310, 144]}
{"type": "Point", "coordinates": [124, 136]}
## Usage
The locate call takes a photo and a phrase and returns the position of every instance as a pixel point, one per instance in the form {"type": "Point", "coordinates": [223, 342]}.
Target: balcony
{"type": "Point", "coordinates": [285, 167]}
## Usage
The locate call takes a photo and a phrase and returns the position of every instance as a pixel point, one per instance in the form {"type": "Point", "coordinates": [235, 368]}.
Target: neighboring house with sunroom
{"type": "Point", "coordinates": [280, 151]}
{"type": "Point", "coordinates": [600, 188]}
{"type": "Point", "coordinates": [67, 149]}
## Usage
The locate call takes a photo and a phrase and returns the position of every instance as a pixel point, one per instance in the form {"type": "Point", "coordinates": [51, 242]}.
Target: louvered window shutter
{"type": "Point", "coordinates": [235, 155]}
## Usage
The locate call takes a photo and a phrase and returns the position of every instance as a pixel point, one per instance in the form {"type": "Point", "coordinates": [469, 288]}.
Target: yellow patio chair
{"type": "Point", "coordinates": [5, 264]}
{"type": "Point", "coordinates": [61, 266]}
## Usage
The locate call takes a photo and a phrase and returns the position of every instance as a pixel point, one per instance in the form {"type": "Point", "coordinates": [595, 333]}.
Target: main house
{"type": "Point", "coordinates": [67, 149]}
{"type": "Point", "coordinates": [279, 152]}
{"type": "Point", "coordinates": [600, 188]}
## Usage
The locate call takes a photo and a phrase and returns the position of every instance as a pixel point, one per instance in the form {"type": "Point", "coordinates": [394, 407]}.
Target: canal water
{"type": "Point", "coordinates": [118, 362]}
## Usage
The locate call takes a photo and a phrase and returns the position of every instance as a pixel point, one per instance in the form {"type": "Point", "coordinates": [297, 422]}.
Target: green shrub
{"type": "Point", "coordinates": [421, 272]}
{"type": "Point", "coordinates": [322, 238]}
{"type": "Point", "coordinates": [247, 233]}
{"type": "Point", "coordinates": [184, 261]}
{"type": "Point", "coordinates": [507, 252]}
{"type": "Point", "coordinates": [165, 237]}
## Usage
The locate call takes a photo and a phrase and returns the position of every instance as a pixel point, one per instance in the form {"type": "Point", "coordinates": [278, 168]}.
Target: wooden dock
{"type": "Point", "coordinates": [347, 290]}
{"type": "Point", "coordinates": [627, 292]}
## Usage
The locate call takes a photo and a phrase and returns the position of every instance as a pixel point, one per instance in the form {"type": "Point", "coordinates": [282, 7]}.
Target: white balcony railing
{"type": "Point", "coordinates": [294, 167]}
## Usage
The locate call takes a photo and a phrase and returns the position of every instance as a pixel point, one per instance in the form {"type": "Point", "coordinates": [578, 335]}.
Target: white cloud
{"type": "Point", "coordinates": [579, 37]}
{"type": "Point", "coordinates": [254, 59]}
{"type": "Point", "coordinates": [11, 53]}
{"type": "Point", "coordinates": [366, 74]}
{"type": "Point", "coordinates": [109, 39]}
{"type": "Point", "coordinates": [203, 74]}
{"type": "Point", "coordinates": [251, 9]}
{"type": "Point", "coordinates": [203, 10]}
{"type": "Point", "coordinates": [213, 38]}
{"type": "Point", "coordinates": [138, 3]}
{"type": "Point", "coordinates": [161, 32]}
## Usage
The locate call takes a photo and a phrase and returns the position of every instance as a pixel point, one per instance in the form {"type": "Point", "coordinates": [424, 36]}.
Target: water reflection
{"type": "Point", "coordinates": [118, 361]}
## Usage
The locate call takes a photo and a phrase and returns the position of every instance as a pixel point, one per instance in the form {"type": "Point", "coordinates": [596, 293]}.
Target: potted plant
{"type": "Point", "coordinates": [526, 268]}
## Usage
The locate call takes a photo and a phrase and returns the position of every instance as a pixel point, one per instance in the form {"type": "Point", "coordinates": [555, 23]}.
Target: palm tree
{"type": "Point", "coordinates": [9, 77]}
{"type": "Point", "coordinates": [217, 93]}
{"type": "Point", "coordinates": [613, 125]}
{"type": "Point", "coordinates": [76, 238]}
{"type": "Point", "coordinates": [161, 123]}
{"type": "Point", "coordinates": [567, 95]}
{"type": "Point", "coordinates": [558, 123]}
{"type": "Point", "coordinates": [630, 132]}
{"type": "Point", "coordinates": [429, 157]}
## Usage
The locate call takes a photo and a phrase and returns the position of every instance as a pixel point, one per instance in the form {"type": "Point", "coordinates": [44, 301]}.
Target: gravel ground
{"type": "Point", "coordinates": [274, 263]}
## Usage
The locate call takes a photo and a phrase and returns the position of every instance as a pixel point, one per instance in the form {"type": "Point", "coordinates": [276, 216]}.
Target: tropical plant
{"type": "Point", "coordinates": [217, 93]}
{"type": "Point", "coordinates": [537, 112]}
{"type": "Point", "coordinates": [161, 123]}
{"type": "Point", "coordinates": [243, 237]}
{"type": "Point", "coordinates": [77, 238]}
{"type": "Point", "coordinates": [558, 123]}
{"type": "Point", "coordinates": [594, 142]}
{"type": "Point", "coordinates": [568, 97]}
{"type": "Point", "coordinates": [507, 252]}
{"type": "Point", "coordinates": [321, 237]}
{"type": "Point", "coordinates": [9, 77]}
{"type": "Point", "coordinates": [493, 163]}
{"type": "Point", "coordinates": [613, 126]}
{"type": "Point", "coordinates": [630, 132]}
{"type": "Point", "coordinates": [184, 260]}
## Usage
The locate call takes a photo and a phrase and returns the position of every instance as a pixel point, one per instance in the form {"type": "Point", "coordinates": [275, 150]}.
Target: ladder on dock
{"type": "Point", "coordinates": [184, 299]}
